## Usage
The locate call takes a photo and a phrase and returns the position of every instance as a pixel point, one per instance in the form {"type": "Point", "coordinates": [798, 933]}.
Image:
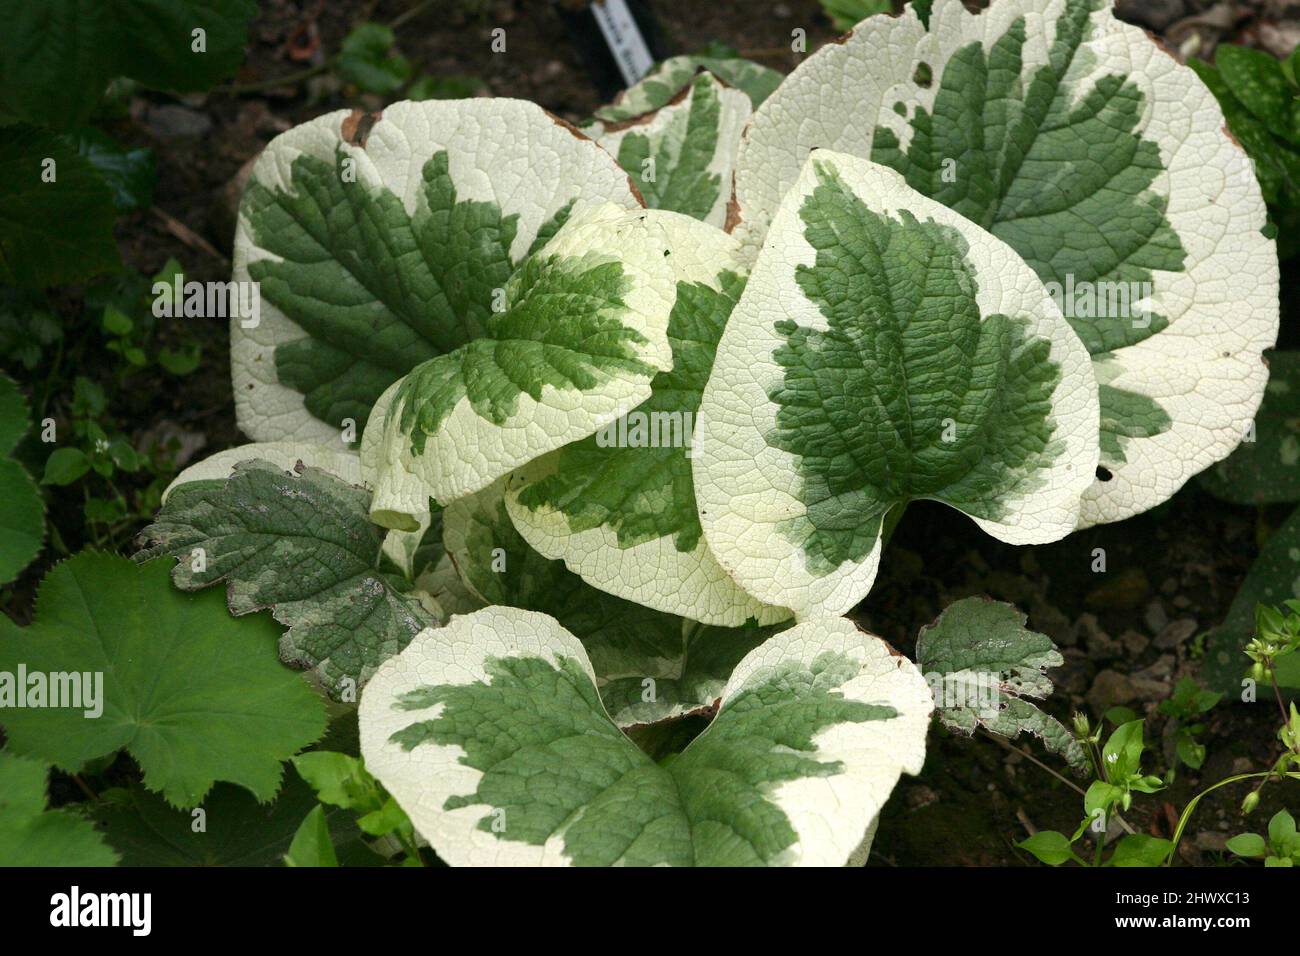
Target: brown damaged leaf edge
{"type": "Point", "coordinates": [357, 126]}
{"type": "Point", "coordinates": [565, 124]}
{"type": "Point", "coordinates": [643, 118]}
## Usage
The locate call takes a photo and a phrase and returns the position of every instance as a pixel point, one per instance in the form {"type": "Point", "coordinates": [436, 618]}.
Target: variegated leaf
{"type": "Point", "coordinates": [885, 349]}
{"type": "Point", "coordinates": [491, 735]}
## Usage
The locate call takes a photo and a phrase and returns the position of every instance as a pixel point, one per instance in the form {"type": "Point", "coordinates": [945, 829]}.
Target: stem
{"type": "Point", "coordinates": [892, 517]}
{"type": "Point", "coordinates": [85, 787]}
{"type": "Point", "coordinates": [1186, 816]}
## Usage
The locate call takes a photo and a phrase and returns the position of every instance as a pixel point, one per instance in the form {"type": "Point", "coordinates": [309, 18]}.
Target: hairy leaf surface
{"type": "Point", "coordinates": [981, 662]}
{"type": "Point", "coordinates": [581, 331]}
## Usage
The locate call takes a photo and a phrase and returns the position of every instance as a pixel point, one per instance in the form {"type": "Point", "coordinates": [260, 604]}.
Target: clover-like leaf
{"type": "Point", "coordinates": [683, 154]}
{"type": "Point", "coordinates": [491, 735]}
{"type": "Point", "coordinates": [885, 349]}
{"type": "Point", "coordinates": [650, 666]}
{"type": "Point", "coordinates": [22, 521]}
{"type": "Point", "coordinates": [194, 695]}
{"type": "Point", "coordinates": [619, 506]}
{"type": "Point", "coordinates": [581, 332]}
{"type": "Point", "coordinates": [666, 81]}
{"type": "Point", "coordinates": [981, 662]}
{"type": "Point", "coordinates": [1104, 163]}
{"type": "Point", "coordinates": [300, 543]}
{"type": "Point", "coordinates": [380, 242]}
{"type": "Point", "coordinates": [31, 835]}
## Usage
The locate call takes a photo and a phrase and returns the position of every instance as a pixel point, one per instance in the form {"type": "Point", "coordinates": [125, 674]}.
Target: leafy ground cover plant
{"type": "Point", "coordinates": [567, 460]}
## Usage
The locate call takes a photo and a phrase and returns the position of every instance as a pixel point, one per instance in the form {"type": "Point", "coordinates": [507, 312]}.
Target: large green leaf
{"type": "Point", "coordinates": [381, 242]}
{"type": "Point", "coordinates": [491, 735]}
{"type": "Point", "coordinates": [30, 835]}
{"type": "Point", "coordinates": [301, 544]}
{"type": "Point", "coordinates": [1265, 468]}
{"type": "Point", "coordinates": [194, 695]}
{"type": "Point", "coordinates": [981, 662]}
{"type": "Point", "coordinates": [885, 350]}
{"type": "Point", "coordinates": [682, 155]}
{"type": "Point", "coordinates": [619, 506]}
{"type": "Point", "coordinates": [56, 212]}
{"type": "Point", "coordinates": [1105, 164]}
{"type": "Point", "coordinates": [56, 56]}
{"type": "Point", "coordinates": [22, 521]}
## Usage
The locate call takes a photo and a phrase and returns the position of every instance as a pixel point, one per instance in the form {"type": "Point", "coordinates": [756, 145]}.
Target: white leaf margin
{"type": "Point", "coordinates": [469, 452]}
{"type": "Point", "coordinates": [1206, 369]}
{"type": "Point", "coordinates": [835, 817]}
{"type": "Point", "coordinates": [734, 111]}
{"type": "Point", "coordinates": [745, 487]}
{"type": "Point", "coordinates": [655, 573]}
{"type": "Point", "coordinates": [508, 151]}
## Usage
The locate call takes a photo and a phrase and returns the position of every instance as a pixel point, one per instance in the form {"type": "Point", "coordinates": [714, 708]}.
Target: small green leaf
{"type": "Point", "coordinates": [1281, 829]}
{"type": "Point", "coordinates": [311, 845]}
{"type": "Point", "coordinates": [364, 59]}
{"type": "Point", "coordinates": [444, 88]}
{"type": "Point", "coordinates": [1049, 847]}
{"type": "Point", "coordinates": [64, 466]}
{"type": "Point", "coordinates": [1140, 849]}
{"type": "Point", "coordinates": [1122, 753]}
{"type": "Point", "coordinates": [116, 321]}
{"type": "Point", "coordinates": [1248, 844]}
{"type": "Point", "coordinates": [181, 362]}
{"type": "Point", "coordinates": [339, 780]}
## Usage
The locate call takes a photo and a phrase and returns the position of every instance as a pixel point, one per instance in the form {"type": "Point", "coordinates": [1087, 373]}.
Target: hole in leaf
{"type": "Point", "coordinates": [1103, 474]}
